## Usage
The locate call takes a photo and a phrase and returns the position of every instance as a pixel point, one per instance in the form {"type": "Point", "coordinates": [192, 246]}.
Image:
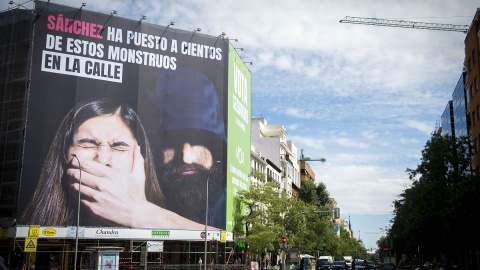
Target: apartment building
{"type": "Point", "coordinates": [472, 57]}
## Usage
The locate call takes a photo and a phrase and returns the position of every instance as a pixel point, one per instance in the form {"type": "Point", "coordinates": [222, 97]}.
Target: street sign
{"type": "Point", "coordinates": [386, 249]}
{"type": "Point", "coordinates": [34, 231]}
{"type": "Point", "coordinates": [154, 246]}
{"type": "Point", "coordinates": [284, 239]}
{"type": "Point", "coordinates": [223, 236]}
{"type": "Point", "coordinates": [30, 244]}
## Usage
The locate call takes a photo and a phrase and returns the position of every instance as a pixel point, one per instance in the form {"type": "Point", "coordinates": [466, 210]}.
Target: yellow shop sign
{"type": "Point", "coordinates": [49, 232]}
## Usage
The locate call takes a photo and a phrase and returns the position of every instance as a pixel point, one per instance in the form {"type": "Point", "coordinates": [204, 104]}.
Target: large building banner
{"type": "Point", "coordinates": [239, 115]}
{"type": "Point", "coordinates": [131, 118]}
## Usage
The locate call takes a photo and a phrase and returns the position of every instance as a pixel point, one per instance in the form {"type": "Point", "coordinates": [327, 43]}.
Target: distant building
{"type": "Point", "coordinates": [447, 120]}
{"type": "Point", "coordinates": [306, 172]}
{"type": "Point", "coordinates": [461, 111]}
{"type": "Point", "coordinates": [272, 152]}
{"type": "Point", "coordinates": [265, 153]}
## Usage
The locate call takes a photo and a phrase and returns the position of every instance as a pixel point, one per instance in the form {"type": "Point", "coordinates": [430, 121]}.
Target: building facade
{"type": "Point", "coordinates": [64, 66]}
{"type": "Point", "coordinates": [269, 142]}
{"type": "Point", "coordinates": [460, 108]}
{"type": "Point", "coordinates": [447, 122]}
{"type": "Point", "coordinates": [472, 56]}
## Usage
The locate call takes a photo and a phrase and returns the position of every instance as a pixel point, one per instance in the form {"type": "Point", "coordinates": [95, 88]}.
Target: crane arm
{"type": "Point", "coordinates": [406, 24]}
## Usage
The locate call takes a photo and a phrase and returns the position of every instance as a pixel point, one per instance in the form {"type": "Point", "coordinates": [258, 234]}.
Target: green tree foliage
{"type": "Point", "coordinates": [264, 217]}
{"type": "Point", "coordinates": [443, 197]}
{"type": "Point", "coordinates": [382, 242]}
{"type": "Point", "coordinates": [269, 211]}
{"type": "Point", "coordinates": [349, 246]}
{"type": "Point", "coordinates": [315, 195]}
{"type": "Point", "coordinates": [257, 174]}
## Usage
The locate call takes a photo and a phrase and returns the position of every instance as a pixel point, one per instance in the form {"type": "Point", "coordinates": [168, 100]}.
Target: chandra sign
{"type": "Point", "coordinates": [49, 232]}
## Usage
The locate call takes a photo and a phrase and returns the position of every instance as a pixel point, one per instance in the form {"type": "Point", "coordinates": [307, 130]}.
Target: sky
{"type": "Point", "coordinates": [365, 98]}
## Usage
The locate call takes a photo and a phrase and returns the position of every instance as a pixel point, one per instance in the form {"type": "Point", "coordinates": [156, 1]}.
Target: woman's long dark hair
{"type": "Point", "coordinates": [51, 205]}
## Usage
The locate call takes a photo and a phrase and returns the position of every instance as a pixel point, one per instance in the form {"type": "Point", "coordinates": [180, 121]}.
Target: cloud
{"type": "Point", "coordinates": [348, 142]}
{"type": "Point", "coordinates": [293, 126]}
{"type": "Point", "coordinates": [361, 189]}
{"type": "Point", "coordinates": [298, 113]}
{"type": "Point", "coordinates": [312, 143]}
{"type": "Point", "coordinates": [425, 128]}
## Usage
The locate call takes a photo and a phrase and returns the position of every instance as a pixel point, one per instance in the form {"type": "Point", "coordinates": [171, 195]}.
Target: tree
{"type": "Point", "coordinates": [269, 210]}
{"type": "Point", "coordinates": [264, 217]}
{"type": "Point", "coordinates": [315, 195]}
{"type": "Point", "coordinates": [429, 214]}
{"type": "Point", "coordinates": [350, 246]}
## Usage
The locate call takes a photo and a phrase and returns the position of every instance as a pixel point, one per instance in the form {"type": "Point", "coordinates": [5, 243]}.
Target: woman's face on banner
{"type": "Point", "coordinates": [104, 139]}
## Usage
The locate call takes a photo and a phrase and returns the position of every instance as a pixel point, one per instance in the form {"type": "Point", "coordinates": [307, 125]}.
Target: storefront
{"type": "Point", "coordinates": [54, 248]}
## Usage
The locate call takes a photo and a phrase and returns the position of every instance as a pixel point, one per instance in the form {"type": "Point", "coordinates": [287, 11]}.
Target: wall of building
{"type": "Point", "coordinates": [472, 54]}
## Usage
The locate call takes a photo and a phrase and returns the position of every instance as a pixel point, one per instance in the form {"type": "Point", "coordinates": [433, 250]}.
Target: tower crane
{"type": "Point", "coordinates": [406, 24]}
{"type": "Point", "coordinates": [303, 158]}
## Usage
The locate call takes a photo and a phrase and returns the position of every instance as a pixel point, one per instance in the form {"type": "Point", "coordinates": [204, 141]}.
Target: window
{"type": "Point", "coordinates": [476, 84]}
{"type": "Point", "coordinates": [477, 146]}
{"type": "Point", "coordinates": [478, 113]}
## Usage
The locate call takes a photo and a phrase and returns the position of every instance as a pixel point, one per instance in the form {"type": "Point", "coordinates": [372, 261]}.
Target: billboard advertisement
{"type": "Point", "coordinates": [239, 115]}
{"type": "Point", "coordinates": [128, 116]}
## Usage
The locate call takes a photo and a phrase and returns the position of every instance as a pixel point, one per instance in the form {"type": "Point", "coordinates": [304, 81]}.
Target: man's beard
{"type": "Point", "coordinates": [185, 194]}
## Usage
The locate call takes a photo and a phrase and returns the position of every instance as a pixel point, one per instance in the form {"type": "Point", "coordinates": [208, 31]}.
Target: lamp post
{"type": "Point", "coordinates": [206, 217]}
{"type": "Point", "coordinates": [206, 221]}
{"type": "Point", "coordinates": [78, 212]}
{"type": "Point", "coordinates": [285, 227]}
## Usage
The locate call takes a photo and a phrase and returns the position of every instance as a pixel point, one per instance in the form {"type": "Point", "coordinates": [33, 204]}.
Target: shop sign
{"type": "Point", "coordinates": [49, 232]}
{"type": "Point", "coordinates": [155, 246]}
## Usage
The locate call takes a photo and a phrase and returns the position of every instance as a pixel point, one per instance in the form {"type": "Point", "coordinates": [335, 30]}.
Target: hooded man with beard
{"type": "Point", "coordinates": [193, 137]}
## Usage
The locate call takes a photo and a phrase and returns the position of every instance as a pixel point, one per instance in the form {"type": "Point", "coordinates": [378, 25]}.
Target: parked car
{"type": "Point", "coordinates": [349, 263]}
{"type": "Point", "coordinates": [359, 265]}
{"type": "Point", "coordinates": [339, 265]}
{"type": "Point", "coordinates": [324, 265]}
{"type": "Point", "coordinates": [389, 266]}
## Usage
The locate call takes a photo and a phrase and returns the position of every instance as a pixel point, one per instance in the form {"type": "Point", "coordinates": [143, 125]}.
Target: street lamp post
{"type": "Point", "coordinates": [206, 221]}
{"type": "Point", "coordinates": [78, 213]}
{"type": "Point", "coordinates": [285, 227]}
{"type": "Point", "coordinates": [206, 218]}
